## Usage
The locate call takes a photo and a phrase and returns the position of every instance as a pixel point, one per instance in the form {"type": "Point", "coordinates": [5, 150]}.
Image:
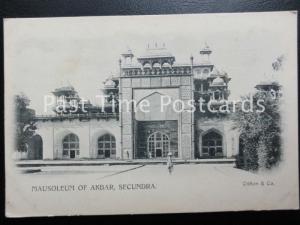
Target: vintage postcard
{"type": "Point", "coordinates": [151, 114]}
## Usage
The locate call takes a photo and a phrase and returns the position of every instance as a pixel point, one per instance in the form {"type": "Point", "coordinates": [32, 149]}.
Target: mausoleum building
{"type": "Point", "coordinates": [112, 133]}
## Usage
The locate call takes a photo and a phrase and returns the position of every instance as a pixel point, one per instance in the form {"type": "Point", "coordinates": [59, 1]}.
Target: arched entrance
{"type": "Point", "coordinates": [158, 145]}
{"type": "Point", "coordinates": [106, 146]}
{"type": "Point", "coordinates": [212, 144]}
{"type": "Point", "coordinates": [71, 146]}
{"type": "Point", "coordinates": [35, 147]}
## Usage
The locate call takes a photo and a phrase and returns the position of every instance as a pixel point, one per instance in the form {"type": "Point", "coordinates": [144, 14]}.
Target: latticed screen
{"type": "Point", "coordinates": [158, 145]}
{"type": "Point", "coordinates": [71, 146]}
{"type": "Point", "coordinates": [107, 146]}
{"type": "Point", "coordinates": [212, 144]}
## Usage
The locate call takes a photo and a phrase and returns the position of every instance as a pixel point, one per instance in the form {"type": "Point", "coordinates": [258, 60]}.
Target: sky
{"type": "Point", "coordinates": [42, 54]}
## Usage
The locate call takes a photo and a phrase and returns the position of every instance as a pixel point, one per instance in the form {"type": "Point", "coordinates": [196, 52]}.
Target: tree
{"type": "Point", "coordinates": [260, 131]}
{"type": "Point", "coordinates": [25, 125]}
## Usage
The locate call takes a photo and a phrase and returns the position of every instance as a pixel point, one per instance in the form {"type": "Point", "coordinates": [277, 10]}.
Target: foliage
{"type": "Point", "coordinates": [25, 125]}
{"type": "Point", "coordinates": [260, 132]}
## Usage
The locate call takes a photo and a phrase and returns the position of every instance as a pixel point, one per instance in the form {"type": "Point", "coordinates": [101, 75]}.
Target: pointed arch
{"type": "Point", "coordinates": [211, 143]}
{"type": "Point", "coordinates": [70, 144]}
{"type": "Point", "coordinates": [147, 96]}
{"type": "Point", "coordinates": [166, 64]}
{"type": "Point", "coordinates": [147, 64]}
{"type": "Point", "coordinates": [106, 146]}
{"type": "Point", "coordinates": [156, 65]}
{"type": "Point", "coordinates": [35, 147]}
{"type": "Point", "coordinates": [155, 110]}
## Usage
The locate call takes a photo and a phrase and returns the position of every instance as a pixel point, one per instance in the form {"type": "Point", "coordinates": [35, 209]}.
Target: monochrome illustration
{"type": "Point", "coordinates": [197, 109]}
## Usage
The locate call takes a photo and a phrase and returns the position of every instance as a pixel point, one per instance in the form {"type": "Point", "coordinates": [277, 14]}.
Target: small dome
{"type": "Point", "coordinates": [268, 83]}
{"type": "Point", "coordinates": [156, 65]}
{"type": "Point", "coordinates": [65, 88]}
{"type": "Point", "coordinates": [205, 50]}
{"type": "Point", "coordinates": [223, 73]}
{"type": "Point", "coordinates": [147, 65]}
{"type": "Point", "coordinates": [166, 65]}
{"type": "Point", "coordinates": [215, 71]}
{"type": "Point", "coordinates": [204, 76]}
{"type": "Point", "coordinates": [109, 83]}
{"type": "Point", "coordinates": [218, 82]}
{"type": "Point", "coordinates": [127, 53]}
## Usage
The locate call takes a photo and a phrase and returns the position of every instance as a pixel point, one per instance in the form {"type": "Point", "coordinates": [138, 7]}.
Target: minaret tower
{"type": "Point", "coordinates": [128, 56]}
{"type": "Point", "coordinates": [205, 53]}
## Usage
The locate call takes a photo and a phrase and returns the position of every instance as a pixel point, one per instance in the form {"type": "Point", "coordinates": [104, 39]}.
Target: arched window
{"type": "Point", "coordinates": [166, 65]}
{"type": "Point", "coordinates": [212, 144]}
{"type": "Point", "coordinates": [158, 145]}
{"type": "Point", "coordinates": [106, 146]}
{"type": "Point", "coordinates": [205, 71]}
{"type": "Point", "coordinates": [147, 65]}
{"type": "Point", "coordinates": [35, 147]}
{"type": "Point", "coordinates": [156, 65]}
{"type": "Point", "coordinates": [217, 95]}
{"type": "Point", "coordinates": [71, 146]}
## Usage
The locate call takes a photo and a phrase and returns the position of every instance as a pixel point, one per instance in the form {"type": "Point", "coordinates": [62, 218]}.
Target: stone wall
{"type": "Point", "coordinates": [88, 132]}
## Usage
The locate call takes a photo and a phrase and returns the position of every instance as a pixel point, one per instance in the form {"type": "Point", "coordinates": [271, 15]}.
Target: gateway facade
{"type": "Point", "coordinates": [135, 134]}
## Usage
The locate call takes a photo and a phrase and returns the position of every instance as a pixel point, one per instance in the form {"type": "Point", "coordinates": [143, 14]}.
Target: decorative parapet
{"type": "Point", "coordinates": [81, 117]}
{"type": "Point", "coordinates": [164, 71]}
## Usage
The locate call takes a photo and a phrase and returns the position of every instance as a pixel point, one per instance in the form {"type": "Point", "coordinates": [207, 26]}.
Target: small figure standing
{"type": "Point", "coordinates": [170, 163]}
{"type": "Point", "coordinates": [127, 154]}
{"type": "Point", "coordinates": [149, 155]}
